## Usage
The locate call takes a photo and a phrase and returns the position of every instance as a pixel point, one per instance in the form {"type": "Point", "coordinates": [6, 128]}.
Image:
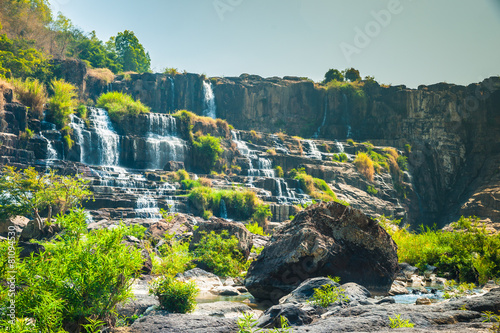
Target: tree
{"type": "Point", "coordinates": [92, 49]}
{"type": "Point", "coordinates": [28, 192]}
{"type": "Point", "coordinates": [333, 75]}
{"type": "Point", "coordinates": [352, 74]}
{"type": "Point", "coordinates": [131, 53]}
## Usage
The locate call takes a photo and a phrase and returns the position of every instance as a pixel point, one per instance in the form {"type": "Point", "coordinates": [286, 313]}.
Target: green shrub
{"type": "Point", "coordinates": [371, 190]}
{"type": "Point", "coordinates": [403, 162]}
{"type": "Point", "coordinates": [254, 228]}
{"type": "Point", "coordinates": [25, 136]}
{"type": "Point", "coordinates": [468, 252]}
{"type": "Point", "coordinates": [453, 290]}
{"type": "Point", "coordinates": [261, 213]}
{"type": "Point", "coordinates": [135, 230]}
{"type": "Point", "coordinates": [174, 295]}
{"type": "Point", "coordinates": [81, 111]}
{"type": "Point", "coordinates": [174, 257]}
{"type": "Point", "coordinates": [62, 103]}
{"type": "Point", "coordinates": [181, 175]}
{"type": "Point", "coordinates": [351, 142]}
{"type": "Point", "coordinates": [315, 187]}
{"type": "Point", "coordinates": [408, 148]}
{"type": "Point", "coordinates": [74, 279]}
{"type": "Point", "coordinates": [328, 294]}
{"type": "Point", "coordinates": [240, 203]}
{"type": "Point", "coordinates": [397, 322]}
{"type": "Point", "coordinates": [247, 324]}
{"type": "Point", "coordinates": [279, 171]}
{"type": "Point", "coordinates": [220, 254]}
{"type": "Point", "coordinates": [31, 93]}
{"type": "Point", "coordinates": [188, 184]}
{"type": "Point", "coordinates": [120, 105]}
{"type": "Point", "coordinates": [207, 149]}
{"type": "Point", "coordinates": [342, 157]}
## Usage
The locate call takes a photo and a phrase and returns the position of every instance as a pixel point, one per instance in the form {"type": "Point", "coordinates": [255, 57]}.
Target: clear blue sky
{"type": "Point", "coordinates": [420, 42]}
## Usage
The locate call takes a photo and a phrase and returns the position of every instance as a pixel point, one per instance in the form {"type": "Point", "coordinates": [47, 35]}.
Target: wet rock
{"type": "Point", "coordinates": [27, 249]}
{"type": "Point", "coordinates": [222, 309]}
{"type": "Point", "coordinates": [325, 239]}
{"type": "Point", "coordinates": [225, 291]}
{"type": "Point", "coordinates": [305, 290]}
{"type": "Point", "coordinates": [423, 301]}
{"type": "Point", "coordinates": [294, 315]}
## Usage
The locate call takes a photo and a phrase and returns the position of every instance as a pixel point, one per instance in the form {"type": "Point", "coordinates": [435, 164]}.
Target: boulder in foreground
{"type": "Point", "coordinates": [327, 239]}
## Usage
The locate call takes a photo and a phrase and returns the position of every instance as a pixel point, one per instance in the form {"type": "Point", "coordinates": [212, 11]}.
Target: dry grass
{"type": "Point", "coordinates": [102, 74]}
{"type": "Point", "coordinates": [364, 164]}
{"type": "Point", "coordinates": [31, 93]}
{"type": "Point", "coordinates": [281, 136]}
{"type": "Point", "coordinates": [255, 135]}
{"type": "Point", "coordinates": [393, 152]}
{"type": "Point", "coordinates": [271, 151]}
{"type": "Point", "coordinates": [205, 182]}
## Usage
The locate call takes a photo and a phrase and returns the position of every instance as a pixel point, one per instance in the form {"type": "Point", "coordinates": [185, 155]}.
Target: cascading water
{"type": "Point", "coordinates": [107, 139]}
{"type": "Point", "coordinates": [279, 145]}
{"type": "Point", "coordinates": [311, 150]}
{"type": "Point", "coordinates": [172, 93]}
{"type": "Point", "coordinates": [325, 112]}
{"type": "Point", "coordinates": [223, 209]}
{"type": "Point", "coordinates": [339, 146]}
{"type": "Point", "coordinates": [162, 143]}
{"type": "Point", "coordinates": [51, 152]}
{"type": "Point", "coordinates": [147, 207]}
{"type": "Point", "coordinates": [346, 115]}
{"type": "Point", "coordinates": [210, 109]}
{"type": "Point", "coordinates": [257, 166]}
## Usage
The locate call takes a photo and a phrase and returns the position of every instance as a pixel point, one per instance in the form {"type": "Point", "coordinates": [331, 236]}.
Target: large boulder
{"type": "Point", "coordinates": [218, 225]}
{"type": "Point", "coordinates": [13, 224]}
{"type": "Point", "coordinates": [327, 239]}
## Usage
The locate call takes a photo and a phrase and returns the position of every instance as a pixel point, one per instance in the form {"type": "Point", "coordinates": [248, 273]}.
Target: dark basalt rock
{"type": "Point", "coordinates": [325, 239]}
{"type": "Point", "coordinates": [182, 323]}
{"type": "Point", "coordinates": [294, 315]}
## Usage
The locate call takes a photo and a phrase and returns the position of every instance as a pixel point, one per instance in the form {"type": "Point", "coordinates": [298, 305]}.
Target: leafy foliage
{"type": "Point", "coordinates": [342, 157]}
{"type": "Point", "coordinates": [467, 250]}
{"type": "Point", "coordinates": [328, 294]}
{"type": "Point", "coordinates": [28, 192]}
{"type": "Point", "coordinates": [174, 295]}
{"type": "Point", "coordinates": [174, 257]}
{"type": "Point", "coordinates": [220, 254]}
{"type": "Point", "coordinates": [131, 54]}
{"type": "Point", "coordinates": [120, 105]}
{"type": "Point", "coordinates": [315, 187]}
{"type": "Point", "coordinates": [247, 324]}
{"type": "Point", "coordinates": [397, 322]}
{"type": "Point", "coordinates": [240, 203]}
{"type": "Point", "coordinates": [74, 279]}
{"type": "Point", "coordinates": [254, 228]}
{"type": "Point", "coordinates": [62, 103]}
{"type": "Point", "coordinates": [333, 75]}
{"type": "Point", "coordinates": [207, 150]}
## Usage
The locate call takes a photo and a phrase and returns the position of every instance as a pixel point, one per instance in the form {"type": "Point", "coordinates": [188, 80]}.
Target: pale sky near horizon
{"type": "Point", "coordinates": [397, 42]}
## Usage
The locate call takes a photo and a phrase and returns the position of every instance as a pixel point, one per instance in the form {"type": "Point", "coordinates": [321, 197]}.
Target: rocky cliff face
{"type": "Point", "coordinates": [453, 130]}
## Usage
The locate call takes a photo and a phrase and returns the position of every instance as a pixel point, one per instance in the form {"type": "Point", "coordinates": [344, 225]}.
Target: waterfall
{"type": "Point", "coordinates": [339, 146]}
{"type": "Point", "coordinates": [172, 204]}
{"type": "Point", "coordinates": [312, 150]}
{"type": "Point", "coordinates": [346, 115]}
{"type": "Point", "coordinates": [257, 166]}
{"type": "Point", "coordinates": [325, 112]}
{"type": "Point", "coordinates": [51, 152]}
{"type": "Point", "coordinates": [172, 93]}
{"type": "Point", "coordinates": [146, 207]}
{"type": "Point", "coordinates": [78, 127]}
{"type": "Point", "coordinates": [210, 109]}
{"type": "Point", "coordinates": [162, 142]}
{"type": "Point", "coordinates": [222, 209]}
{"type": "Point", "coordinates": [279, 146]}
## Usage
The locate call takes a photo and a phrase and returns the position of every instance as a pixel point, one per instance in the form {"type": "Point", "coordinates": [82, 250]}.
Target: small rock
{"type": "Point", "coordinates": [398, 288]}
{"type": "Point", "coordinates": [242, 289]}
{"type": "Point", "coordinates": [203, 279]}
{"type": "Point", "coordinates": [229, 282]}
{"type": "Point", "coordinates": [386, 300]}
{"type": "Point", "coordinates": [423, 301]}
{"type": "Point", "coordinates": [225, 291]}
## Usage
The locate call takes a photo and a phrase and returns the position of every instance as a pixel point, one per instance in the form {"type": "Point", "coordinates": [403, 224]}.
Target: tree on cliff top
{"type": "Point", "coordinates": [352, 74]}
{"type": "Point", "coordinates": [131, 53]}
{"type": "Point", "coordinates": [333, 75]}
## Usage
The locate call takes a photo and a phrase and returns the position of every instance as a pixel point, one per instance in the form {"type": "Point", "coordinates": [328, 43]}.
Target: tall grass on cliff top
{"type": "Point", "coordinates": [31, 93]}
{"type": "Point", "coordinates": [120, 105]}
{"type": "Point", "coordinates": [62, 103]}
{"type": "Point", "coordinates": [465, 250]}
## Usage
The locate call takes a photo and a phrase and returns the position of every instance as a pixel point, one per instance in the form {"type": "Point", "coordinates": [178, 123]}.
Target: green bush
{"type": "Point", "coordinates": [247, 324]}
{"type": "Point", "coordinates": [261, 213]}
{"type": "Point", "coordinates": [220, 254]}
{"type": "Point", "coordinates": [315, 187]}
{"type": "Point", "coordinates": [254, 228]}
{"type": "Point", "coordinates": [174, 257]}
{"type": "Point", "coordinates": [397, 322]}
{"type": "Point", "coordinates": [31, 93]}
{"type": "Point", "coordinates": [81, 111]}
{"type": "Point", "coordinates": [74, 279]}
{"type": "Point", "coordinates": [207, 150]}
{"type": "Point", "coordinates": [279, 171]}
{"type": "Point", "coordinates": [468, 252]}
{"type": "Point", "coordinates": [188, 184]}
{"type": "Point", "coordinates": [328, 294]}
{"type": "Point", "coordinates": [371, 190]}
{"type": "Point", "coordinates": [62, 103]}
{"type": "Point", "coordinates": [342, 157]}
{"type": "Point", "coordinates": [120, 105]}
{"type": "Point", "coordinates": [174, 295]}
{"type": "Point", "coordinates": [240, 203]}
